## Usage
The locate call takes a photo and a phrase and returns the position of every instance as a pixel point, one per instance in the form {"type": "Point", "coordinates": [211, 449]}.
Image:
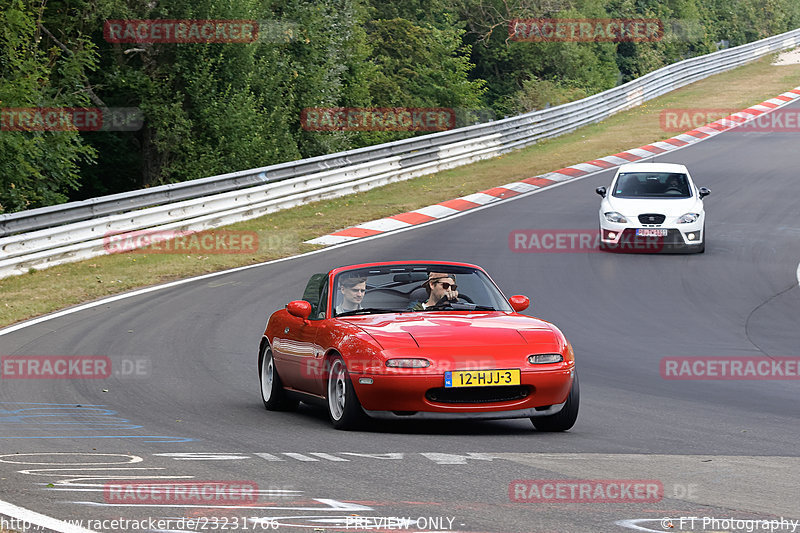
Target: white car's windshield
{"type": "Point", "coordinates": [406, 288]}
{"type": "Point", "coordinates": [652, 185]}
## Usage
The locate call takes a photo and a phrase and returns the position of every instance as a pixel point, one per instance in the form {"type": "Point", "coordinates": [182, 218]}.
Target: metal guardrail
{"type": "Point", "coordinates": [47, 236]}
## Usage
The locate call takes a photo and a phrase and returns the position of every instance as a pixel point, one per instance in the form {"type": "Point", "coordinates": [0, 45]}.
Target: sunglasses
{"type": "Point", "coordinates": [447, 285]}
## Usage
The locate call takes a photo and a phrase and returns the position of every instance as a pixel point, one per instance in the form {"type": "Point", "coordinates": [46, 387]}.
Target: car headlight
{"type": "Point", "coordinates": [545, 358]}
{"type": "Point", "coordinates": [408, 363]}
{"type": "Point", "coordinates": [613, 216]}
{"type": "Point", "coordinates": [688, 218]}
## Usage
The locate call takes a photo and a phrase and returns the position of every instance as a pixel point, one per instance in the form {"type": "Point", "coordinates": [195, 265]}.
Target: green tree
{"type": "Point", "coordinates": [209, 108]}
{"type": "Point", "coordinates": [516, 70]}
{"type": "Point", "coordinates": [215, 108]}
{"type": "Point", "coordinates": [39, 168]}
{"type": "Point", "coordinates": [329, 66]}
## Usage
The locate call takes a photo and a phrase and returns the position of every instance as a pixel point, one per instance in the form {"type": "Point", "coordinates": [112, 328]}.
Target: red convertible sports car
{"type": "Point", "coordinates": [424, 340]}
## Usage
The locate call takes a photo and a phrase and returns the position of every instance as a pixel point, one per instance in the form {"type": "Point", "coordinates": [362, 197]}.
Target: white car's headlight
{"type": "Point", "coordinates": [688, 218]}
{"type": "Point", "coordinates": [613, 216]}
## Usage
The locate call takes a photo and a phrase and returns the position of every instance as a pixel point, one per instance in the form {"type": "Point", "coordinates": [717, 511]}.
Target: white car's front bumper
{"type": "Point", "coordinates": [679, 237]}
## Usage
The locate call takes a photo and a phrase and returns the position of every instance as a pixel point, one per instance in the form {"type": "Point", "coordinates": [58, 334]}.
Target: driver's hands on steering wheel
{"type": "Point", "coordinates": [443, 302]}
{"type": "Point", "coordinates": [449, 296]}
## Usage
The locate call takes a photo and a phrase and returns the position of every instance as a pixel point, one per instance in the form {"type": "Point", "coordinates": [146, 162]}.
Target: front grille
{"type": "Point", "coordinates": [478, 394]}
{"type": "Point", "coordinates": [629, 241]}
{"type": "Point", "coordinates": [651, 218]}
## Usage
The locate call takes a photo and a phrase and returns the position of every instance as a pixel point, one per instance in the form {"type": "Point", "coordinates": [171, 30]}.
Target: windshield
{"type": "Point", "coordinates": [407, 288]}
{"type": "Point", "coordinates": [652, 185]}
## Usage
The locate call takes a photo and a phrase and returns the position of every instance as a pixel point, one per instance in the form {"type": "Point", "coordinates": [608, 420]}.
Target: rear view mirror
{"type": "Point", "coordinates": [411, 277]}
{"type": "Point", "coordinates": [601, 191]}
{"type": "Point", "coordinates": [299, 308]}
{"type": "Point", "coordinates": [703, 192]}
{"type": "Point", "coordinates": [519, 302]}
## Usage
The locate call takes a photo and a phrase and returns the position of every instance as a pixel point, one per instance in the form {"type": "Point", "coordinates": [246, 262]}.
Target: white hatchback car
{"type": "Point", "coordinates": [653, 207]}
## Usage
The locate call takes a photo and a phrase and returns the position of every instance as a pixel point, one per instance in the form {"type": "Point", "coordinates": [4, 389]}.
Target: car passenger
{"type": "Point", "coordinates": [352, 289]}
{"type": "Point", "coordinates": [673, 184]}
{"type": "Point", "coordinates": [440, 287]}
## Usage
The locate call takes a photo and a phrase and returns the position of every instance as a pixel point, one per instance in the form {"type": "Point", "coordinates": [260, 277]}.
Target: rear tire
{"type": "Point", "coordinates": [344, 409]}
{"type": "Point", "coordinates": [272, 392]}
{"type": "Point", "coordinates": [564, 419]}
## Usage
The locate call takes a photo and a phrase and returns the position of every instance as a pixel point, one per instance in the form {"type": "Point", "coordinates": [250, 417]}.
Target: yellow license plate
{"type": "Point", "coordinates": [481, 378]}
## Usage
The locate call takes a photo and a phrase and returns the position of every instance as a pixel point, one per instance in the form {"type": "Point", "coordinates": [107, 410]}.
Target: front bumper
{"type": "Point", "coordinates": [424, 396]}
{"type": "Point", "coordinates": [489, 415]}
{"type": "Point", "coordinates": [623, 238]}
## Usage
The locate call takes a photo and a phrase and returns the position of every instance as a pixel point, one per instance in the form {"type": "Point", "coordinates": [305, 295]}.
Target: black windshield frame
{"type": "Point", "coordinates": [395, 282]}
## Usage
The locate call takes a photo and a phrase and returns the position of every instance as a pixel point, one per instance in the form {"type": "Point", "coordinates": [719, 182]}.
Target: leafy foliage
{"type": "Point", "coordinates": [38, 168]}
{"type": "Point", "coordinates": [213, 108]}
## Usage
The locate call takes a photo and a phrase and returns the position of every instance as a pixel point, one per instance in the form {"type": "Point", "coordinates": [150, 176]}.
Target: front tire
{"type": "Point", "coordinates": [344, 409]}
{"type": "Point", "coordinates": [272, 392]}
{"type": "Point", "coordinates": [564, 419]}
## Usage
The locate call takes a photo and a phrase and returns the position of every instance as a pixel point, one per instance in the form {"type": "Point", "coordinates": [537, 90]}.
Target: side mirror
{"type": "Point", "coordinates": [601, 191]}
{"type": "Point", "coordinates": [299, 308]}
{"type": "Point", "coordinates": [519, 302]}
{"type": "Point", "coordinates": [703, 192]}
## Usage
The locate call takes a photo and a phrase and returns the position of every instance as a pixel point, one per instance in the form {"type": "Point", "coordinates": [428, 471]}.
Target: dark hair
{"type": "Point", "coordinates": [352, 281]}
{"type": "Point", "coordinates": [427, 283]}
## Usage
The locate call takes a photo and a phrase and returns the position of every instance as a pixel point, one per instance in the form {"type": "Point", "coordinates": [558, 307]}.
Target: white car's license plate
{"type": "Point", "coordinates": [648, 232]}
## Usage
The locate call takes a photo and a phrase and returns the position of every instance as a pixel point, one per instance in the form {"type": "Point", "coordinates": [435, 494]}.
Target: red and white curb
{"type": "Point", "coordinates": [471, 201]}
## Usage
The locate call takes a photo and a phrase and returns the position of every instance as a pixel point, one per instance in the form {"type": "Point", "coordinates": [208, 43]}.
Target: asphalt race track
{"type": "Point", "coordinates": [191, 409]}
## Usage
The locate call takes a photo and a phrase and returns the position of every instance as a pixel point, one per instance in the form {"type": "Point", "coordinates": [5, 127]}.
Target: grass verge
{"type": "Point", "coordinates": [282, 234]}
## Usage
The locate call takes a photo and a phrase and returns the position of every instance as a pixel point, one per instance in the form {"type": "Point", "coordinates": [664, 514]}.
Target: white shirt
{"type": "Point", "coordinates": [341, 309]}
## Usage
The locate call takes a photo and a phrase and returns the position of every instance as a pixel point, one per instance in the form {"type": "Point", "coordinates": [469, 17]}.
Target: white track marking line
{"type": "Point", "coordinates": [634, 524]}
{"type": "Point", "coordinates": [31, 517]}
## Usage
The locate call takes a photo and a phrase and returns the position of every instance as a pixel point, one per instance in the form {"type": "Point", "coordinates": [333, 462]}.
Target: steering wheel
{"type": "Point", "coordinates": [444, 302]}
{"type": "Point", "coordinates": [462, 296]}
